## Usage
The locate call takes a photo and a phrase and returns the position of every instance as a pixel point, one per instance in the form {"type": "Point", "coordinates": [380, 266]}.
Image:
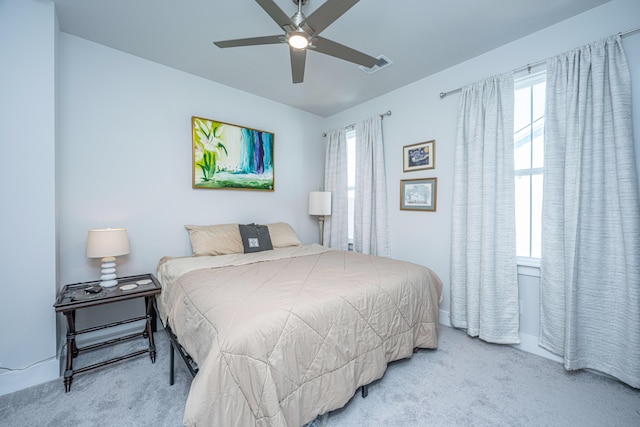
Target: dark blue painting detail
{"type": "Point", "coordinates": [419, 157]}
{"type": "Point", "coordinates": [257, 155]}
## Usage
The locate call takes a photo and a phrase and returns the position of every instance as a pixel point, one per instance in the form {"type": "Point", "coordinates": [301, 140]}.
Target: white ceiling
{"type": "Point", "coordinates": [420, 37]}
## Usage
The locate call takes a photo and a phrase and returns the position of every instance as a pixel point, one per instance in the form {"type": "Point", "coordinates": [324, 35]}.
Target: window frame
{"type": "Point", "coordinates": [528, 265]}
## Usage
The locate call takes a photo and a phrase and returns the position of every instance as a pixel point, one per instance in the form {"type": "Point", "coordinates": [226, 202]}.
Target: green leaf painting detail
{"type": "Point", "coordinates": [208, 146]}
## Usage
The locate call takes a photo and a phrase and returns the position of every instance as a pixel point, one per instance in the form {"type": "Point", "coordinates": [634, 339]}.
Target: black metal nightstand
{"type": "Point", "coordinates": [75, 296]}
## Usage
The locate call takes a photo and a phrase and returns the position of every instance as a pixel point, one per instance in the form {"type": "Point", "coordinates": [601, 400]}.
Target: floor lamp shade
{"type": "Point", "coordinates": [107, 243]}
{"type": "Point", "coordinates": [320, 203]}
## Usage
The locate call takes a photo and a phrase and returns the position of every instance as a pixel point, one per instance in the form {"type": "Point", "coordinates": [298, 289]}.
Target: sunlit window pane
{"type": "Point", "coordinates": [522, 150]}
{"type": "Point", "coordinates": [537, 149]}
{"type": "Point", "coordinates": [351, 198]}
{"type": "Point", "coordinates": [523, 212]}
{"type": "Point", "coordinates": [351, 181]}
{"type": "Point", "coordinates": [539, 95]}
{"type": "Point", "coordinates": [538, 124]}
{"type": "Point", "coordinates": [522, 128]}
{"type": "Point", "coordinates": [522, 112]}
{"type": "Point", "coordinates": [351, 159]}
{"type": "Point", "coordinates": [536, 215]}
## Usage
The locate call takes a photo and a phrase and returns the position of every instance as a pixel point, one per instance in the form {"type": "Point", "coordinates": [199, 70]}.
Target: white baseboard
{"type": "Point", "coordinates": [445, 319]}
{"type": "Point", "coordinates": [528, 343]}
{"type": "Point", "coordinates": [11, 381]}
{"type": "Point", "coordinates": [39, 373]}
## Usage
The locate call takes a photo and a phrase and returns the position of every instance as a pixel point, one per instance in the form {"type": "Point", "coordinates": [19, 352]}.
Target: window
{"type": "Point", "coordinates": [351, 180]}
{"type": "Point", "coordinates": [529, 161]}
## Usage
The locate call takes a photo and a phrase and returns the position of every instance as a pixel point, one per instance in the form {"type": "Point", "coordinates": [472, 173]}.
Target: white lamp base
{"type": "Point", "coordinates": [321, 226]}
{"type": "Point", "coordinates": [108, 272]}
{"type": "Point", "coordinates": [108, 283]}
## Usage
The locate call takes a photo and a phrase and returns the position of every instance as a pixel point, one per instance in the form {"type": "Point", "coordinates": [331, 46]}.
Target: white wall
{"type": "Point", "coordinates": [420, 115]}
{"type": "Point", "coordinates": [27, 190]}
{"type": "Point", "coordinates": [125, 159]}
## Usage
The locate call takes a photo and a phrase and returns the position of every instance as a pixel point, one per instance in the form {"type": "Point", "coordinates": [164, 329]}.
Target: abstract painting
{"type": "Point", "coordinates": [227, 156]}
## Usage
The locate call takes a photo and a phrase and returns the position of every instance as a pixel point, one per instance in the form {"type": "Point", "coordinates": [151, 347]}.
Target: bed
{"type": "Point", "coordinates": [281, 336]}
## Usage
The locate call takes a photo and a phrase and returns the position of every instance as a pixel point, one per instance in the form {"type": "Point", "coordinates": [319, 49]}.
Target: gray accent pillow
{"type": "Point", "coordinates": [255, 238]}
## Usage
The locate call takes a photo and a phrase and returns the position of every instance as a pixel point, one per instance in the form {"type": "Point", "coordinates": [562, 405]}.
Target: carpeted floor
{"type": "Point", "coordinates": [466, 382]}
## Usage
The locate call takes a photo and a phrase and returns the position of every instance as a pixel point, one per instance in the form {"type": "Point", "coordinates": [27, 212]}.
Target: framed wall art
{"type": "Point", "coordinates": [418, 194]}
{"type": "Point", "coordinates": [419, 156]}
{"type": "Point", "coordinates": [227, 156]}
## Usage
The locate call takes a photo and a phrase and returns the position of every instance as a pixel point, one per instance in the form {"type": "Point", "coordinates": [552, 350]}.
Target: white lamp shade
{"type": "Point", "coordinates": [107, 242]}
{"type": "Point", "coordinates": [320, 203]}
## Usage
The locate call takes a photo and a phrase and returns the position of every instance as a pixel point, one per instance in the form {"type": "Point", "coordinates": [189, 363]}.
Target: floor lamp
{"type": "Point", "coordinates": [320, 206]}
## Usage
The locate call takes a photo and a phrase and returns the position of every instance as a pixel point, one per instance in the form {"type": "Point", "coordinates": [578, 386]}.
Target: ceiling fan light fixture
{"type": "Point", "coordinates": [302, 33]}
{"type": "Point", "coordinates": [298, 39]}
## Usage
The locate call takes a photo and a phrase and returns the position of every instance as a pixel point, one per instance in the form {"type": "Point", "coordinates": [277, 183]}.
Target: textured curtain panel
{"type": "Point", "coordinates": [484, 281]}
{"type": "Point", "coordinates": [590, 270]}
{"type": "Point", "coordinates": [371, 227]}
{"type": "Point", "coordinates": [335, 180]}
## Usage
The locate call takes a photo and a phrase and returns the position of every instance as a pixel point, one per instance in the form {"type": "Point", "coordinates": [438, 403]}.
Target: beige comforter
{"type": "Point", "coordinates": [285, 335]}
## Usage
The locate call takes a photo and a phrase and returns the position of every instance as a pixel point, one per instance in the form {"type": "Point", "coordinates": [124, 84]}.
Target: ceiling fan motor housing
{"type": "Point", "coordinates": [298, 18]}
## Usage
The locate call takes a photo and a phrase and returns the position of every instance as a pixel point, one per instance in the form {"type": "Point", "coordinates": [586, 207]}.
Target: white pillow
{"type": "Point", "coordinates": [221, 239]}
{"type": "Point", "coordinates": [282, 235]}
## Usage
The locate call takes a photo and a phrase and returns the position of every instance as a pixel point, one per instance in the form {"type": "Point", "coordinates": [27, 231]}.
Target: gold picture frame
{"type": "Point", "coordinates": [419, 156]}
{"type": "Point", "coordinates": [418, 194]}
{"type": "Point", "coordinates": [228, 156]}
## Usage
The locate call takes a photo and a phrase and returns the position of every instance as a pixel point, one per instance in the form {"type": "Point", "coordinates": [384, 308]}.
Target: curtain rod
{"type": "Point", "coordinates": [533, 64]}
{"type": "Point", "coordinates": [352, 125]}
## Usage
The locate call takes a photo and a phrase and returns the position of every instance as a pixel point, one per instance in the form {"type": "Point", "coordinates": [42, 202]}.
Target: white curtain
{"type": "Point", "coordinates": [335, 180]}
{"type": "Point", "coordinates": [484, 281]}
{"type": "Point", "coordinates": [371, 228]}
{"type": "Point", "coordinates": [590, 270]}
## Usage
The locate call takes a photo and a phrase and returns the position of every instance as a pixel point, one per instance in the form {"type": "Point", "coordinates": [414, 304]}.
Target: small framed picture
{"type": "Point", "coordinates": [419, 156]}
{"type": "Point", "coordinates": [418, 194]}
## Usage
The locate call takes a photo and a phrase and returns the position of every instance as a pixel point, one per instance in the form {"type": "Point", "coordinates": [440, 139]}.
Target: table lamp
{"type": "Point", "coordinates": [107, 243]}
{"type": "Point", "coordinates": [320, 205]}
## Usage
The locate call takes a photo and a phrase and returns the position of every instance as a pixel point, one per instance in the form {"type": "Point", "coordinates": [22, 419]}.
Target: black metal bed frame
{"type": "Point", "coordinates": [191, 365]}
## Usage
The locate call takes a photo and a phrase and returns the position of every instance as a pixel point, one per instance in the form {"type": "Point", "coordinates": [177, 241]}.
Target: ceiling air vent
{"type": "Point", "coordinates": [383, 62]}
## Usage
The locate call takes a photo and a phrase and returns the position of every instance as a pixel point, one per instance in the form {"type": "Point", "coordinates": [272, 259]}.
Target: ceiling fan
{"type": "Point", "coordinates": [302, 33]}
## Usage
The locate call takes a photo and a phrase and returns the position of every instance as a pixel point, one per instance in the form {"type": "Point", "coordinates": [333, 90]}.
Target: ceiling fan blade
{"type": "Point", "coordinates": [298, 60]}
{"type": "Point", "coordinates": [326, 14]}
{"type": "Point", "coordinates": [338, 50]}
{"type": "Point", "coordinates": [275, 13]}
{"type": "Point", "coordinates": [250, 42]}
